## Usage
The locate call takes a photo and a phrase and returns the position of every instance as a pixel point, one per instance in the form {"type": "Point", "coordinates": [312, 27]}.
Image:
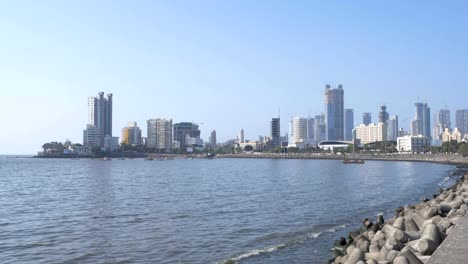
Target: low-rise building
{"type": "Point", "coordinates": [413, 144]}
{"type": "Point", "coordinates": [251, 146]}
{"type": "Point", "coordinates": [111, 143]}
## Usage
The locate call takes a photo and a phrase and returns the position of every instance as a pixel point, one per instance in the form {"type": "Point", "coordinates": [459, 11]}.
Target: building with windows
{"type": "Point", "coordinates": [99, 117]}
{"type": "Point", "coordinates": [310, 130]}
{"type": "Point", "coordinates": [241, 136]}
{"type": "Point", "coordinates": [334, 109]}
{"type": "Point", "coordinates": [131, 135]}
{"type": "Point", "coordinates": [366, 118]}
{"type": "Point", "coordinates": [111, 143]}
{"type": "Point", "coordinates": [349, 124]}
{"type": "Point", "coordinates": [213, 139]}
{"type": "Point", "coordinates": [392, 128]}
{"type": "Point", "coordinates": [461, 121]}
{"type": "Point", "coordinates": [186, 131]}
{"type": "Point", "coordinates": [275, 132]}
{"type": "Point", "coordinates": [92, 136]}
{"type": "Point", "coordinates": [383, 114]}
{"type": "Point", "coordinates": [298, 132]}
{"type": "Point", "coordinates": [320, 128]}
{"type": "Point", "coordinates": [159, 133]}
{"type": "Point", "coordinates": [371, 133]}
{"type": "Point", "coordinates": [421, 124]}
{"type": "Point", "coordinates": [413, 144]}
{"type": "Point", "coordinates": [441, 122]}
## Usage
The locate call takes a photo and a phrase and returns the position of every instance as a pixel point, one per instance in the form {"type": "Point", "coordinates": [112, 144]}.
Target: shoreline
{"type": "Point", "coordinates": [452, 159]}
{"type": "Point", "coordinates": [414, 234]}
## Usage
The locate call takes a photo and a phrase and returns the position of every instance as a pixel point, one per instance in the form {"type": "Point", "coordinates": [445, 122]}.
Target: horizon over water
{"type": "Point", "coordinates": [247, 211]}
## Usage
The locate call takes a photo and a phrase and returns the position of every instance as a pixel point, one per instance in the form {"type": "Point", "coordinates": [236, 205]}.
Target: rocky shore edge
{"type": "Point", "coordinates": [409, 237]}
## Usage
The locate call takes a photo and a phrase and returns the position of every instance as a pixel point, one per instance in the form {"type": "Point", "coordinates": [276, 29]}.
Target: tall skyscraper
{"type": "Point", "coordinates": [383, 114]}
{"type": "Point", "coordinates": [299, 131]}
{"type": "Point", "coordinates": [310, 130]}
{"type": "Point", "coordinates": [334, 118]}
{"type": "Point", "coordinates": [349, 124]}
{"type": "Point", "coordinates": [159, 133]}
{"type": "Point", "coordinates": [275, 131]}
{"type": "Point", "coordinates": [366, 118]}
{"type": "Point", "coordinates": [392, 126]}
{"type": "Point", "coordinates": [213, 139]}
{"type": "Point", "coordinates": [320, 128]}
{"type": "Point", "coordinates": [461, 121]}
{"type": "Point", "coordinates": [241, 136]}
{"type": "Point", "coordinates": [421, 124]}
{"type": "Point", "coordinates": [131, 135]}
{"type": "Point", "coordinates": [184, 131]}
{"type": "Point", "coordinates": [441, 122]}
{"type": "Point", "coordinates": [99, 118]}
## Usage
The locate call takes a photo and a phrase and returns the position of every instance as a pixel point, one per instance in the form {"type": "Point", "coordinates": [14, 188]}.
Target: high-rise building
{"type": "Point", "coordinates": [392, 128]}
{"type": "Point", "coordinates": [241, 136]}
{"type": "Point", "coordinates": [186, 131]}
{"type": "Point", "coordinates": [366, 118]}
{"type": "Point", "coordinates": [131, 134]}
{"type": "Point", "coordinates": [461, 121]}
{"type": "Point", "coordinates": [99, 117]}
{"type": "Point", "coordinates": [383, 114]}
{"type": "Point", "coordinates": [334, 118]}
{"type": "Point", "coordinates": [371, 133]}
{"type": "Point", "coordinates": [421, 124]}
{"type": "Point", "coordinates": [213, 139]}
{"type": "Point", "coordinates": [441, 122]}
{"type": "Point", "coordinates": [310, 130]}
{"type": "Point", "coordinates": [349, 124]}
{"type": "Point", "coordinates": [320, 128]}
{"type": "Point", "coordinates": [275, 132]}
{"type": "Point", "coordinates": [299, 131]}
{"type": "Point", "coordinates": [159, 133]}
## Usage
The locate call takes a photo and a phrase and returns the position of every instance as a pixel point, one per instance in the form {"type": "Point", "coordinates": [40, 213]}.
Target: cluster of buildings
{"type": "Point", "coordinates": [162, 134]}
{"type": "Point", "coordinates": [336, 128]}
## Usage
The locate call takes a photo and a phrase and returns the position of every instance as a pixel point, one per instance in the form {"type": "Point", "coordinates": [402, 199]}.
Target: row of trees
{"type": "Point", "coordinates": [452, 147]}
{"type": "Point", "coordinates": [379, 147]}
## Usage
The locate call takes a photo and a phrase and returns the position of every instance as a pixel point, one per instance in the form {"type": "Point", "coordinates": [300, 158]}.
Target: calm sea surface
{"type": "Point", "coordinates": [195, 211]}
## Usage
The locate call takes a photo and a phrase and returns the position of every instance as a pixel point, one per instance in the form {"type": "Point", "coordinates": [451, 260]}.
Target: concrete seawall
{"type": "Point", "coordinates": [454, 249]}
{"type": "Point", "coordinates": [433, 231]}
{"type": "Point", "coordinates": [435, 158]}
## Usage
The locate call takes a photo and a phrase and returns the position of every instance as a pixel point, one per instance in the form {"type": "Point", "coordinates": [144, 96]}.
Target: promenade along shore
{"type": "Point", "coordinates": [455, 159]}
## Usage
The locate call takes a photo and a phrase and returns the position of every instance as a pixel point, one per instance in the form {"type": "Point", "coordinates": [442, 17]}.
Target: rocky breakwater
{"type": "Point", "coordinates": [411, 235]}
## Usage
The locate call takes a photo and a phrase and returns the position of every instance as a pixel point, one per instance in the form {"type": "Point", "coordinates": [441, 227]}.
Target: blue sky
{"type": "Point", "coordinates": [226, 64]}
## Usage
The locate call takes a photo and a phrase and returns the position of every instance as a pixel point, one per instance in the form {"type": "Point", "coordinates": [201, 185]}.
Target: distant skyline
{"type": "Point", "coordinates": [228, 65]}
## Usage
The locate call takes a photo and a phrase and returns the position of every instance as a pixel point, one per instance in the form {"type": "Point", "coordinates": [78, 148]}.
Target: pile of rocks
{"type": "Point", "coordinates": [410, 236]}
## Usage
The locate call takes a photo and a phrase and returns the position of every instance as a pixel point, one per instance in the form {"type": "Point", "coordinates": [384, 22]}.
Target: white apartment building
{"type": "Point", "coordinates": [413, 144]}
{"type": "Point", "coordinates": [371, 133]}
{"type": "Point", "coordinates": [159, 133]}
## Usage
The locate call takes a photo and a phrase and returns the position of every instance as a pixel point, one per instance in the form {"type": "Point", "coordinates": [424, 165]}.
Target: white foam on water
{"type": "Point", "coordinates": [298, 240]}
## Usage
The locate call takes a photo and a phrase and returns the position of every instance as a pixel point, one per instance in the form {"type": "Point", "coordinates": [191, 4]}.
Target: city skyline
{"type": "Point", "coordinates": [181, 62]}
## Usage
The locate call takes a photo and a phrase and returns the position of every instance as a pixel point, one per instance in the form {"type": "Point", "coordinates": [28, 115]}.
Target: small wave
{"type": "Point", "coordinates": [297, 240]}
{"type": "Point", "coordinates": [252, 253]}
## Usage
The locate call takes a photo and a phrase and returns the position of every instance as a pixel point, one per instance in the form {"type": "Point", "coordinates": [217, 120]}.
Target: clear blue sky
{"type": "Point", "coordinates": [227, 64]}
